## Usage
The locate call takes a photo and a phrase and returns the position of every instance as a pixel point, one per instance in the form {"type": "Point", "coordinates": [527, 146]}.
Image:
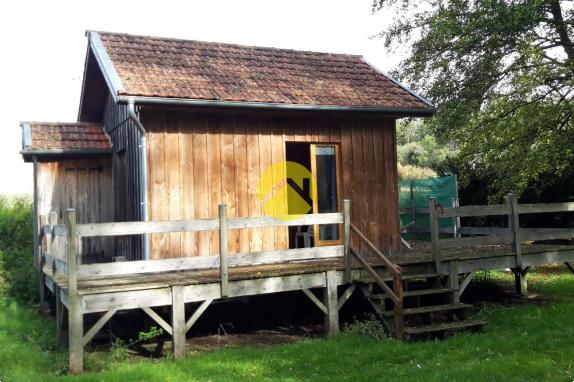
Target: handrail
{"type": "Point", "coordinates": [395, 269]}
{"type": "Point", "coordinates": [396, 292]}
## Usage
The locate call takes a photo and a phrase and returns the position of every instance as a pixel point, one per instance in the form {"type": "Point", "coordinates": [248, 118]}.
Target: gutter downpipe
{"type": "Point", "coordinates": [143, 171]}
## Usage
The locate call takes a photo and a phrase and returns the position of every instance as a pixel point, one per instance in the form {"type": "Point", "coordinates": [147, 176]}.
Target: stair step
{"type": "Point", "coordinates": [430, 309]}
{"type": "Point", "coordinates": [458, 325]}
{"type": "Point", "coordinates": [414, 293]}
{"type": "Point", "coordinates": [414, 276]}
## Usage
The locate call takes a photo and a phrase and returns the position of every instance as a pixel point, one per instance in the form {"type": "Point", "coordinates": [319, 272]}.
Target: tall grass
{"type": "Point", "coordinates": [17, 273]}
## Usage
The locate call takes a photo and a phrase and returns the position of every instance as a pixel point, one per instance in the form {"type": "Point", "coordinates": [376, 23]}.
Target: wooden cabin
{"type": "Point", "coordinates": [201, 171]}
{"type": "Point", "coordinates": [169, 129]}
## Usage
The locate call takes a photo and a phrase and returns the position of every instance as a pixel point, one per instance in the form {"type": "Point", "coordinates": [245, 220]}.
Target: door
{"type": "Point", "coordinates": [326, 191]}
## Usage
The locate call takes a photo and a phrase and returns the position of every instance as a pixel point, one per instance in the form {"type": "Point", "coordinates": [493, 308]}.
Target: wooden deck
{"type": "Point", "coordinates": [336, 270]}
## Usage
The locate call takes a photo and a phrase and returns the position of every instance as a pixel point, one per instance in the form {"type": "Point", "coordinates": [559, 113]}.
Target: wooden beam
{"type": "Point", "coordinates": [97, 326]}
{"type": "Point", "coordinates": [178, 321]}
{"type": "Point", "coordinates": [520, 282]}
{"type": "Point", "coordinates": [453, 281]}
{"type": "Point", "coordinates": [59, 317]}
{"type": "Point", "coordinates": [475, 241]}
{"type": "Point", "coordinates": [315, 300]}
{"type": "Point", "coordinates": [467, 211]}
{"type": "Point", "coordinates": [207, 262]}
{"type": "Point", "coordinates": [435, 248]}
{"type": "Point", "coordinates": [75, 313]}
{"type": "Point", "coordinates": [138, 228]}
{"type": "Point", "coordinates": [545, 207]}
{"type": "Point", "coordinates": [569, 266]}
{"type": "Point", "coordinates": [465, 281]}
{"type": "Point", "coordinates": [346, 295]}
{"type": "Point", "coordinates": [514, 227]}
{"type": "Point", "coordinates": [197, 314]}
{"type": "Point", "coordinates": [157, 318]}
{"type": "Point", "coordinates": [331, 303]}
{"type": "Point", "coordinates": [347, 239]}
{"type": "Point", "coordinates": [223, 263]}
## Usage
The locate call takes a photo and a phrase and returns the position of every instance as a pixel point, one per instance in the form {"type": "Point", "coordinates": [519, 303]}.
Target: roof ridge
{"type": "Point", "coordinates": [247, 46]}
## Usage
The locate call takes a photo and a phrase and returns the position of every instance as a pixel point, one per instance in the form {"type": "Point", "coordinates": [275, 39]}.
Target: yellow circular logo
{"type": "Point", "coordinates": [286, 190]}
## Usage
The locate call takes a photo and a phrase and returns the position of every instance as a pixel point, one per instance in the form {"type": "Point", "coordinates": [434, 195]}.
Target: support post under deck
{"type": "Point", "coordinates": [178, 321]}
{"type": "Point", "coordinates": [520, 282]}
{"type": "Point", "coordinates": [330, 299]}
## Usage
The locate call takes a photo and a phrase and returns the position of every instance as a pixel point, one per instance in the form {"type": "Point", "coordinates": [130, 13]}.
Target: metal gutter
{"type": "Point", "coordinates": [397, 82]}
{"type": "Point", "coordinates": [107, 67]}
{"type": "Point", "coordinates": [274, 106]}
{"type": "Point", "coordinates": [143, 171]}
{"type": "Point", "coordinates": [26, 135]}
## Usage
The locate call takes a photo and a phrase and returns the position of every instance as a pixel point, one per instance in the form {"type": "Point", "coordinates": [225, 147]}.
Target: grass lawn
{"type": "Point", "coordinates": [523, 341]}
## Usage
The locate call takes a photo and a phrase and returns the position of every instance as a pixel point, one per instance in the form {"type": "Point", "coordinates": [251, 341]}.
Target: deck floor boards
{"type": "Point", "coordinates": [418, 255]}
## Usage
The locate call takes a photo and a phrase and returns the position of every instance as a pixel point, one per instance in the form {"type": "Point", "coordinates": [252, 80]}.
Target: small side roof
{"type": "Point", "coordinates": [151, 68]}
{"type": "Point", "coordinates": [62, 139]}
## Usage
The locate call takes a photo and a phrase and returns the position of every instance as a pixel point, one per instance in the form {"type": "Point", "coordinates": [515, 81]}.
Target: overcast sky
{"type": "Point", "coordinates": [43, 48]}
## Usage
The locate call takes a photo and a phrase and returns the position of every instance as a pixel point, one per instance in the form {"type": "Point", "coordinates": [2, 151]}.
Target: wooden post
{"type": "Point", "coordinates": [41, 261]}
{"type": "Point", "coordinates": [413, 207]}
{"type": "Point", "coordinates": [456, 219]}
{"type": "Point", "coordinates": [178, 321]}
{"type": "Point", "coordinates": [514, 226]}
{"type": "Point", "coordinates": [347, 239]}
{"type": "Point", "coordinates": [59, 317]}
{"type": "Point", "coordinates": [75, 314]}
{"type": "Point", "coordinates": [453, 281]}
{"type": "Point", "coordinates": [330, 300]}
{"type": "Point", "coordinates": [223, 271]}
{"type": "Point", "coordinates": [398, 308]}
{"type": "Point", "coordinates": [520, 283]}
{"type": "Point", "coordinates": [433, 218]}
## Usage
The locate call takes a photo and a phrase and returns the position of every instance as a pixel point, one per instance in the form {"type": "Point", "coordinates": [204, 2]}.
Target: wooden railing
{"type": "Point", "coordinates": [62, 255]}
{"type": "Point", "coordinates": [396, 292]}
{"type": "Point", "coordinates": [513, 234]}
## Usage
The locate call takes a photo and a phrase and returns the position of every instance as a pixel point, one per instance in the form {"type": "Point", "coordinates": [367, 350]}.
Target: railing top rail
{"type": "Point", "coordinates": [138, 228]}
{"type": "Point", "coordinates": [501, 209]}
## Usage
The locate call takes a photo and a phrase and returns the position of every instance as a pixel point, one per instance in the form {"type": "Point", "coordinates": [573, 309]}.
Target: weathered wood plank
{"type": "Point", "coordinates": [97, 326]}
{"type": "Point", "coordinates": [223, 260]}
{"type": "Point", "coordinates": [315, 300]}
{"type": "Point", "coordinates": [158, 319]}
{"type": "Point", "coordinates": [207, 262]}
{"type": "Point", "coordinates": [197, 314]}
{"type": "Point", "coordinates": [331, 302]}
{"type": "Point", "coordinates": [545, 208]}
{"type": "Point", "coordinates": [467, 211]}
{"type": "Point", "coordinates": [178, 321]}
{"type": "Point", "coordinates": [475, 241]}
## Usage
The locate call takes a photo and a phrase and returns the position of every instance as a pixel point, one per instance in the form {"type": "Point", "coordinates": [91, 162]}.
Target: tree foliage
{"type": "Point", "coordinates": [501, 73]}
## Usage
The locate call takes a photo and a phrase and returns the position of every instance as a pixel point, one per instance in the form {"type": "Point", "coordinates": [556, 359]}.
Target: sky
{"type": "Point", "coordinates": [43, 47]}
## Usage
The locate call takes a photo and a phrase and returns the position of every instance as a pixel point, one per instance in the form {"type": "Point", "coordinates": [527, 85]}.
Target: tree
{"type": "Point", "coordinates": [501, 73]}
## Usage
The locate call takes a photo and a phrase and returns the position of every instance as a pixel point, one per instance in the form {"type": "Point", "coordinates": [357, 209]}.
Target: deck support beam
{"type": "Point", "coordinates": [195, 316]}
{"type": "Point", "coordinates": [97, 326]}
{"type": "Point", "coordinates": [59, 317]}
{"type": "Point", "coordinates": [569, 266]}
{"type": "Point", "coordinates": [520, 282]}
{"type": "Point", "coordinates": [453, 281]}
{"type": "Point", "coordinates": [345, 296]}
{"type": "Point", "coordinates": [465, 281]}
{"type": "Point", "coordinates": [157, 318]}
{"type": "Point", "coordinates": [178, 321]}
{"type": "Point", "coordinates": [315, 300]}
{"type": "Point", "coordinates": [330, 300]}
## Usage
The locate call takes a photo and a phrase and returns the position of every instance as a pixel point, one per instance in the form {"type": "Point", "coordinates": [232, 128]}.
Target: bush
{"type": "Point", "coordinates": [18, 277]}
{"type": "Point", "coordinates": [407, 171]}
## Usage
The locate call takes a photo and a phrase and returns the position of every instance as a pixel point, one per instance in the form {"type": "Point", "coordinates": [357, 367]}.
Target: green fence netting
{"type": "Point", "coordinates": [416, 193]}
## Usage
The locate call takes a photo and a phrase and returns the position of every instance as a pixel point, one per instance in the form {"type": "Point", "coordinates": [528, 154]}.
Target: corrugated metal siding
{"type": "Point", "coordinates": [125, 136]}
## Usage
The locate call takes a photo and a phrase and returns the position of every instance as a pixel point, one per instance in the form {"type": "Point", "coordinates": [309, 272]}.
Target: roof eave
{"type": "Point", "coordinates": [30, 154]}
{"type": "Point", "coordinates": [398, 83]}
{"type": "Point", "coordinates": [399, 112]}
{"type": "Point", "coordinates": [105, 63]}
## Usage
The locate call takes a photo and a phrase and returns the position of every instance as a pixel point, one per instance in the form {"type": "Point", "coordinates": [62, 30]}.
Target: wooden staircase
{"type": "Point", "coordinates": [430, 309]}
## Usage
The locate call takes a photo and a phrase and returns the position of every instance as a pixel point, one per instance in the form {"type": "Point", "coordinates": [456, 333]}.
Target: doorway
{"type": "Point", "coordinates": [321, 162]}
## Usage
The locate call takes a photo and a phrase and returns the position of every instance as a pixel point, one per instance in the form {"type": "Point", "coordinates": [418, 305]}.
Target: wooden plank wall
{"type": "Point", "coordinates": [83, 184]}
{"type": "Point", "coordinates": [199, 159]}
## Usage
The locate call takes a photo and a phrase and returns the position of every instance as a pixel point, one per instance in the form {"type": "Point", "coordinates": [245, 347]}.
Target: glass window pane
{"type": "Point", "coordinates": [327, 197]}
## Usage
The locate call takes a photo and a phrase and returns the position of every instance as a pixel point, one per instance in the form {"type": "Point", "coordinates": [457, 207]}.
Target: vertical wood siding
{"type": "Point", "coordinates": [199, 159]}
{"type": "Point", "coordinates": [82, 184]}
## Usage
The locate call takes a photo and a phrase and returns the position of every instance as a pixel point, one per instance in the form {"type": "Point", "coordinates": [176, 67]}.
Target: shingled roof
{"type": "Point", "coordinates": [43, 138]}
{"type": "Point", "coordinates": [168, 68]}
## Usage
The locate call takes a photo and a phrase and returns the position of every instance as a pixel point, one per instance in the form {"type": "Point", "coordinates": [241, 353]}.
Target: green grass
{"type": "Point", "coordinates": [530, 341]}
